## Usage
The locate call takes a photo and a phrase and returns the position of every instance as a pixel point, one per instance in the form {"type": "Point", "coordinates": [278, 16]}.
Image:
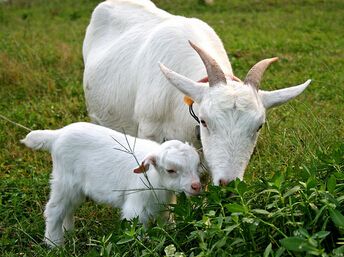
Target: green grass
{"type": "Point", "coordinates": [300, 149]}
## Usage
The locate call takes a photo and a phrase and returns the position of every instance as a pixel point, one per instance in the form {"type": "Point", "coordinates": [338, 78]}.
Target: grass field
{"type": "Point", "coordinates": [292, 200]}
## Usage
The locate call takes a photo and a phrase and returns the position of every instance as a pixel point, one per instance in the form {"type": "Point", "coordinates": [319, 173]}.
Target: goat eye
{"type": "Point", "coordinates": [259, 127]}
{"type": "Point", "coordinates": [204, 124]}
{"type": "Point", "coordinates": [171, 171]}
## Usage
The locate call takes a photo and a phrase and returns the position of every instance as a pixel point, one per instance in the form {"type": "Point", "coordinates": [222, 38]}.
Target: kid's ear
{"type": "Point", "coordinates": [149, 160]}
{"type": "Point", "coordinates": [142, 168]}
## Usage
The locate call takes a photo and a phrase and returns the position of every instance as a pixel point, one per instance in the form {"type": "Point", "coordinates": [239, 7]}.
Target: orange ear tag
{"type": "Point", "coordinates": [188, 101]}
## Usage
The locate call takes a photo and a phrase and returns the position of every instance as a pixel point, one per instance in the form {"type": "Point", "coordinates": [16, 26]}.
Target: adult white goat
{"type": "Point", "coordinates": [125, 89]}
{"type": "Point", "coordinates": [94, 161]}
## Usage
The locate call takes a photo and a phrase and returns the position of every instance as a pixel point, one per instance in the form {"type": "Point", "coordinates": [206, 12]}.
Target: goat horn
{"type": "Point", "coordinates": [214, 71]}
{"type": "Point", "coordinates": [254, 76]}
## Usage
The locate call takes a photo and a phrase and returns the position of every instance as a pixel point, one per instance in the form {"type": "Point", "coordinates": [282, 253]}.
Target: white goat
{"type": "Point", "coordinates": [125, 89]}
{"type": "Point", "coordinates": [97, 162]}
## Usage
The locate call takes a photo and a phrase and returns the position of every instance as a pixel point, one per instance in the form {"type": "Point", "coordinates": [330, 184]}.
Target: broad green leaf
{"type": "Point", "coordinates": [125, 240]}
{"type": "Point", "coordinates": [108, 249]}
{"type": "Point", "coordinates": [292, 191]}
{"type": "Point", "coordinates": [260, 211]}
{"type": "Point", "coordinates": [235, 218]}
{"type": "Point", "coordinates": [297, 244]}
{"type": "Point", "coordinates": [339, 175]}
{"type": "Point", "coordinates": [338, 251]}
{"type": "Point", "coordinates": [211, 213]}
{"type": "Point", "coordinates": [337, 217]}
{"type": "Point", "coordinates": [241, 187]}
{"type": "Point", "coordinates": [311, 183]}
{"type": "Point", "coordinates": [313, 242]}
{"type": "Point", "coordinates": [321, 234]}
{"type": "Point", "coordinates": [271, 191]}
{"type": "Point", "coordinates": [229, 229]}
{"type": "Point", "coordinates": [234, 207]}
{"type": "Point", "coordinates": [293, 243]}
{"type": "Point", "coordinates": [268, 250]}
{"type": "Point", "coordinates": [331, 184]}
{"type": "Point", "coordinates": [303, 232]}
{"type": "Point", "coordinates": [278, 180]}
{"type": "Point", "coordinates": [280, 251]}
{"type": "Point", "coordinates": [220, 243]}
{"type": "Point", "coordinates": [339, 199]}
{"type": "Point", "coordinates": [237, 241]}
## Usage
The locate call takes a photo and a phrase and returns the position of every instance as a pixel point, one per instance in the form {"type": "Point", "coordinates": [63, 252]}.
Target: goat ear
{"type": "Point", "coordinates": [187, 86]}
{"type": "Point", "coordinates": [277, 97]}
{"type": "Point", "coordinates": [144, 166]}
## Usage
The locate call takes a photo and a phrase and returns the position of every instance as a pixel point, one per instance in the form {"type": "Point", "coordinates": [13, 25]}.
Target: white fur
{"type": "Point", "coordinates": [87, 162]}
{"type": "Point", "coordinates": [124, 87]}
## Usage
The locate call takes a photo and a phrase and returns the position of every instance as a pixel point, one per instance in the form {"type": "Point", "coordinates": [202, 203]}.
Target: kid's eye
{"type": "Point", "coordinates": [171, 171]}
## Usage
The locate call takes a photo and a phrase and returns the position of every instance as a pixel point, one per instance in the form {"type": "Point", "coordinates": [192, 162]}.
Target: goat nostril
{"type": "Point", "coordinates": [196, 186]}
{"type": "Point", "coordinates": [223, 182]}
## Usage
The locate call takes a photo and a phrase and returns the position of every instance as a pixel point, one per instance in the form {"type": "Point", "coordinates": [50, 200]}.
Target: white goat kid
{"type": "Point", "coordinates": [125, 89]}
{"type": "Point", "coordinates": [97, 162]}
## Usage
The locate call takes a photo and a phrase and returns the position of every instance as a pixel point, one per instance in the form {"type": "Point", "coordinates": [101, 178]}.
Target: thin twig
{"type": "Point", "coordinates": [126, 139]}
{"type": "Point", "coordinates": [124, 151]}
{"type": "Point", "coordinates": [142, 189]}
{"type": "Point", "coordinates": [15, 123]}
{"type": "Point", "coordinates": [126, 193]}
{"type": "Point", "coordinates": [134, 145]}
{"type": "Point", "coordinates": [144, 182]}
{"type": "Point", "coordinates": [144, 174]}
{"type": "Point", "coordinates": [119, 143]}
{"type": "Point", "coordinates": [131, 152]}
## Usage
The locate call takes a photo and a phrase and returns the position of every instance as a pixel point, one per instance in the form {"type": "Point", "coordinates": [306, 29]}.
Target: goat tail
{"type": "Point", "coordinates": [40, 139]}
